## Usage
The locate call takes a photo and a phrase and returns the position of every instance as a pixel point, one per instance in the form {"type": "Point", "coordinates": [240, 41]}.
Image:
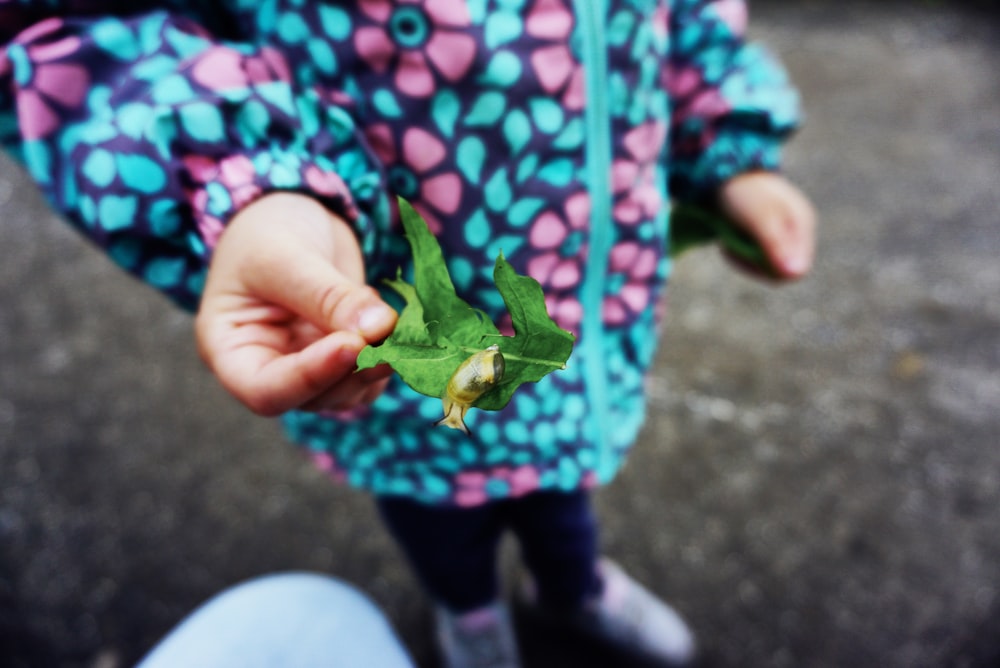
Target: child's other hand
{"type": "Point", "coordinates": [286, 311]}
{"type": "Point", "coordinates": [778, 215]}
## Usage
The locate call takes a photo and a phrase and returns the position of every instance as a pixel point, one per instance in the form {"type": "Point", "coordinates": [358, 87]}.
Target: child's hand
{"type": "Point", "coordinates": [778, 215]}
{"type": "Point", "coordinates": [285, 310]}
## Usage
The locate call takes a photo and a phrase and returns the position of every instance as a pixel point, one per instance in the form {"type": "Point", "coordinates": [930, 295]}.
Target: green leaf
{"type": "Point", "coordinates": [437, 330]}
{"type": "Point", "coordinates": [444, 313]}
{"type": "Point", "coordinates": [538, 342]}
{"type": "Point", "coordinates": [692, 226]}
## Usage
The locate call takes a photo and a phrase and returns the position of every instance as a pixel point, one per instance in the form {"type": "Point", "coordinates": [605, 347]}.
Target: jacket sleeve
{"type": "Point", "coordinates": [149, 134]}
{"type": "Point", "coordinates": [733, 103]}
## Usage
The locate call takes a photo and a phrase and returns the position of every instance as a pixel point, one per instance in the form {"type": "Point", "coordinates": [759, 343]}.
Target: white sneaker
{"type": "Point", "coordinates": [632, 618]}
{"type": "Point", "coordinates": [626, 619]}
{"type": "Point", "coordinates": [482, 638]}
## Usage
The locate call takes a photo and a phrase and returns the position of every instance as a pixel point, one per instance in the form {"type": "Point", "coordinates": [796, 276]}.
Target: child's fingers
{"type": "Point", "coordinates": [271, 382]}
{"type": "Point", "coordinates": [795, 243]}
{"type": "Point", "coordinates": [287, 250]}
{"type": "Point", "coordinates": [283, 264]}
{"type": "Point", "coordinates": [361, 387]}
{"type": "Point", "coordinates": [785, 243]}
{"type": "Point", "coordinates": [313, 288]}
{"type": "Point", "coordinates": [779, 216]}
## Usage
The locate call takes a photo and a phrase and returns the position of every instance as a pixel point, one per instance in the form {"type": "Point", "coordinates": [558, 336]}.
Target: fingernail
{"type": "Point", "coordinates": [796, 265]}
{"type": "Point", "coordinates": [375, 320]}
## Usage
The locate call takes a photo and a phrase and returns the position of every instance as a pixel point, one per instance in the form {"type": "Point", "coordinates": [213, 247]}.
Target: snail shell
{"type": "Point", "coordinates": [474, 377]}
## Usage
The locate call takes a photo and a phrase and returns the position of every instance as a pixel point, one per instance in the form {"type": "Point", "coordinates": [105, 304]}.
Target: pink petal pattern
{"type": "Point", "coordinates": [613, 311]}
{"type": "Point", "coordinates": [646, 141]}
{"type": "Point", "coordinates": [375, 47]}
{"type": "Point", "coordinates": [443, 192]}
{"type": "Point", "coordinates": [733, 13]}
{"type": "Point", "coordinates": [379, 10]}
{"type": "Point", "coordinates": [219, 69]}
{"type": "Point", "coordinates": [276, 63]}
{"type": "Point", "coordinates": [566, 275]}
{"type": "Point", "coordinates": [325, 183]}
{"type": "Point", "coordinates": [452, 54]}
{"type": "Point", "coordinates": [34, 116]}
{"type": "Point", "coordinates": [566, 311]}
{"type": "Point", "coordinates": [578, 210]}
{"type": "Point", "coordinates": [549, 19]}
{"type": "Point", "coordinates": [624, 173]}
{"type": "Point", "coordinates": [433, 224]}
{"type": "Point", "coordinates": [448, 13]}
{"type": "Point", "coordinates": [471, 485]}
{"type": "Point", "coordinates": [40, 30]}
{"type": "Point", "coordinates": [52, 51]}
{"type": "Point", "coordinates": [553, 66]}
{"type": "Point", "coordinates": [413, 77]}
{"type": "Point", "coordinates": [422, 150]}
{"type": "Point", "coordinates": [635, 297]}
{"type": "Point", "coordinates": [575, 96]}
{"type": "Point", "coordinates": [548, 231]}
{"type": "Point", "coordinates": [541, 267]}
{"type": "Point", "coordinates": [380, 139]}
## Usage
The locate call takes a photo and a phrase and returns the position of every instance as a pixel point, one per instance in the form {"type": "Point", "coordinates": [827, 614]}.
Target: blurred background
{"type": "Point", "coordinates": [818, 484]}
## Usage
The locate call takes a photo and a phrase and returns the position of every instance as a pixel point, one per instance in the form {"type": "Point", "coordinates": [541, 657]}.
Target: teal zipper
{"type": "Point", "coordinates": [591, 17]}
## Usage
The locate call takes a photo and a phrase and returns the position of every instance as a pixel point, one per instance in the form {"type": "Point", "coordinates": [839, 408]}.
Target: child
{"type": "Point", "coordinates": [242, 157]}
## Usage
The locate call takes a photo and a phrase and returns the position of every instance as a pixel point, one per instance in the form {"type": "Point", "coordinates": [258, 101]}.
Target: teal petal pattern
{"type": "Point", "coordinates": [202, 121]}
{"type": "Point", "coordinates": [116, 39]}
{"type": "Point", "coordinates": [99, 168]}
{"type": "Point", "coordinates": [140, 173]}
{"type": "Point", "coordinates": [502, 28]}
{"type": "Point", "coordinates": [336, 22]}
{"type": "Point", "coordinates": [487, 109]}
{"type": "Point", "coordinates": [386, 104]}
{"type": "Point", "coordinates": [116, 212]}
{"type": "Point", "coordinates": [547, 115]}
{"type": "Point", "coordinates": [445, 110]}
{"type": "Point", "coordinates": [497, 191]}
{"type": "Point", "coordinates": [517, 130]}
{"type": "Point", "coordinates": [470, 156]}
{"type": "Point", "coordinates": [504, 70]}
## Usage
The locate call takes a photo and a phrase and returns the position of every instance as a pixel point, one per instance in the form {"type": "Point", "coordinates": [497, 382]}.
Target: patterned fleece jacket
{"type": "Point", "coordinates": [555, 130]}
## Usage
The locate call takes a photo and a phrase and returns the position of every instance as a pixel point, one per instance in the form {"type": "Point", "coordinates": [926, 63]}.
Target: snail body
{"type": "Point", "coordinates": [473, 378]}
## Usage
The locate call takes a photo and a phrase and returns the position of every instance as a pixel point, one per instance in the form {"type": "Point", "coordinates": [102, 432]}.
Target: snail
{"type": "Point", "coordinates": [474, 377]}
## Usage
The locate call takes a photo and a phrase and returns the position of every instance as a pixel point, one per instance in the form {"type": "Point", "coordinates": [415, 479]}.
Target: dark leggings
{"type": "Point", "coordinates": [454, 550]}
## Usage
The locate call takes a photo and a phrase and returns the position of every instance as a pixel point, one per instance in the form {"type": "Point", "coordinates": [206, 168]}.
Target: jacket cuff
{"type": "Point", "coordinates": [732, 151]}
{"type": "Point", "coordinates": [221, 187]}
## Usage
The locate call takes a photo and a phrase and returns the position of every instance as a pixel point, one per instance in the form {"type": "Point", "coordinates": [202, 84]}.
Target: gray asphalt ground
{"type": "Point", "coordinates": [819, 483]}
